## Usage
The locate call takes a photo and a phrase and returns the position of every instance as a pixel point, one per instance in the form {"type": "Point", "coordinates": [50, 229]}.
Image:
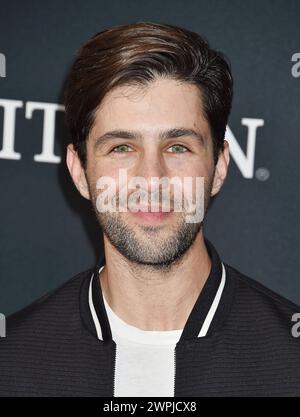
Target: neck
{"type": "Point", "coordinates": [155, 300]}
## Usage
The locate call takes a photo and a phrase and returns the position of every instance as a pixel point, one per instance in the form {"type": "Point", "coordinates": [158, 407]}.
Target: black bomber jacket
{"type": "Point", "coordinates": [237, 341]}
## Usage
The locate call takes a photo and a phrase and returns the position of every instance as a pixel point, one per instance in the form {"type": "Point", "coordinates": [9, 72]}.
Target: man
{"type": "Point", "coordinates": [160, 314]}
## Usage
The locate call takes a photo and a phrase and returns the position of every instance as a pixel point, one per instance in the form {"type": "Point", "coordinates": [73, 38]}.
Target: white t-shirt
{"type": "Point", "coordinates": [144, 359]}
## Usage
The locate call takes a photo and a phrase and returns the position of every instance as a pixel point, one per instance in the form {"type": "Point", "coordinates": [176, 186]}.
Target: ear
{"type": "Point", "coordinates": [77, 172]}
{"type": "Point", "coordinates": [221, 169]}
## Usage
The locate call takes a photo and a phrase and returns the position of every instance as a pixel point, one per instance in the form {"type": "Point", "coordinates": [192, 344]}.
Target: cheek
{"type": "Point", "coordinates": [110, 176]}
{"type": "Point", "coordinates": [97, 168]}
{"type": "Point", "coordinates": [191, 168]}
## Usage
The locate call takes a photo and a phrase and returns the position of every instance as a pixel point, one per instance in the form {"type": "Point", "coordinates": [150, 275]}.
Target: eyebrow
{"type": "Point", "coordinates": [163, 135]}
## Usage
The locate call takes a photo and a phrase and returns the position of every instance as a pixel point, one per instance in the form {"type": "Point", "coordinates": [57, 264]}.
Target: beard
{"type": "Point", "coordinates": [153, 247]}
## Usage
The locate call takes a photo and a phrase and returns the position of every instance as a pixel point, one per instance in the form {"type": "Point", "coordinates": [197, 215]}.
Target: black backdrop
{"type": "Point", "coordinates": [48, 232]}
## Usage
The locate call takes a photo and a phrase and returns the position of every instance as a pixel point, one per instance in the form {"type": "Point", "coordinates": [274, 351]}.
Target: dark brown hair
{"type": "Point", "coordinates": [139, 53]}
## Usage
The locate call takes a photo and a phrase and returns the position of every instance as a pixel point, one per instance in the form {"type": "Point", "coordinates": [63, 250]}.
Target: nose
{"type": "Point", "coordinates": [151, 165]}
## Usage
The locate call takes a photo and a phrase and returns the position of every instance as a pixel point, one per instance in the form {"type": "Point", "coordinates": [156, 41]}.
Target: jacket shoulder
{"type": "Point", "coordinates": [54, 302]}
{"type": "Point", "coordinates": [258, 304]}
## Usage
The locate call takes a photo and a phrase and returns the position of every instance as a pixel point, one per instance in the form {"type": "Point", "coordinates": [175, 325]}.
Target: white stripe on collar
{"type": "Point", "coordinates": [214, 306]}
{"type": "Point", "coordinates": [93, 311]}
{"type": "Point", "coordinates": [205, 325]}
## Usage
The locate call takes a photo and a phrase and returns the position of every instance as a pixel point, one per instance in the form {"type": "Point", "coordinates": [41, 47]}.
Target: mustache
{"type": "Point", "coordinates": [151, 203]}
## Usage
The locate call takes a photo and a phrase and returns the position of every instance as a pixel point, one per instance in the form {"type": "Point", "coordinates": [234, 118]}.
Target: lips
{"type": "Point", "coordinates": [150, 210]}
{"type": "Point", "coordinates": [151, 218]}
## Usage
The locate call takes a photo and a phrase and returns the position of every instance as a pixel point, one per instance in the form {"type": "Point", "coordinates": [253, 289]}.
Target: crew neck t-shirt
{"type": "Point", "coordinates": [145, 359]}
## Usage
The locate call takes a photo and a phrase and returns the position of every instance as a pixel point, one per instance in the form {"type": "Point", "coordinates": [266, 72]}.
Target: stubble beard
{"type": "Point", "coordinates": [153, 247]}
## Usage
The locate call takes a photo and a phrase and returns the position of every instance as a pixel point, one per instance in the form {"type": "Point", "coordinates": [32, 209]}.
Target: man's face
{"type": "Point", "coordinates": [157, 240]}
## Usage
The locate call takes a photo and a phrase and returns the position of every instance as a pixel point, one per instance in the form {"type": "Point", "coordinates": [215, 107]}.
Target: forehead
{"type": "Point", "coordinates": [162, 104]}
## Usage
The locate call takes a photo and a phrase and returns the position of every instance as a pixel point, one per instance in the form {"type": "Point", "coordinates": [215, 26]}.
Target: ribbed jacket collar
{"type": "Point", "coordinates": [205, 319]}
